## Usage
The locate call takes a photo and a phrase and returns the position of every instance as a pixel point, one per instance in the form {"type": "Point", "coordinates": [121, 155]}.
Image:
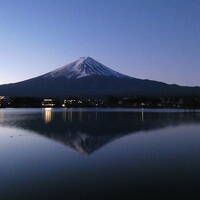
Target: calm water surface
{"type": "Point", "coordinates": [98, 153]}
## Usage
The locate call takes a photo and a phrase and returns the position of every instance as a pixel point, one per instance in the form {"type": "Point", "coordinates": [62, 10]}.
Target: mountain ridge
{"type": "Point", "coordinates": [87, 77]}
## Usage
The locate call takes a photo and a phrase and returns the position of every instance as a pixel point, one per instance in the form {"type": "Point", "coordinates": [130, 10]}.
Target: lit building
{"type": "Point", "coordinates": [3, 101]}
{"type": "Point", "coordinates": [48, 103]}
{"type": "Point", "coordinates": [69, 102]}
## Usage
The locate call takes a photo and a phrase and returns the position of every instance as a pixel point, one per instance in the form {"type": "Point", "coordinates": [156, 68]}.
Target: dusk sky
{"type": "Point", "coordinates": [148, 39]}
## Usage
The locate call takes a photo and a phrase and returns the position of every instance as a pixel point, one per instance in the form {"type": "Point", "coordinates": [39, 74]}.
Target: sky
{"type": "Point", "coordinates": [147, 39]}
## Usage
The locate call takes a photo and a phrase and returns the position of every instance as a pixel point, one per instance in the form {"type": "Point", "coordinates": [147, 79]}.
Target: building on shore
{"type": "Point", "coordinates": [3, 101]}
{"type": "Point", "coordinates": [48, 103]}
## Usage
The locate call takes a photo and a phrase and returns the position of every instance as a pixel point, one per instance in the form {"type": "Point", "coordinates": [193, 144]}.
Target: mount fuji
{"type": "Point", "coordinates": [85, 66]}
{"type": "Point", "coordinates": [87, 77]}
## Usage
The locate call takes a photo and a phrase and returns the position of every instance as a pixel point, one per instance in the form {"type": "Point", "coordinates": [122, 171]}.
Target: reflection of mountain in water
{"type": "Point", "coordinates": [88, 131]}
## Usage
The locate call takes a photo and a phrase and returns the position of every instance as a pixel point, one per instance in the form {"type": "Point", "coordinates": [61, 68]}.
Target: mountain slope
{"type": "Point", "coordinates": [85, 66]}
{"type": "Point", "coordinates": [89, 77]}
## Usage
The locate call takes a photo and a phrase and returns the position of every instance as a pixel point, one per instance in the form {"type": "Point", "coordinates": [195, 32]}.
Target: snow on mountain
{"type": "Point", "coordinates": [84, 66]}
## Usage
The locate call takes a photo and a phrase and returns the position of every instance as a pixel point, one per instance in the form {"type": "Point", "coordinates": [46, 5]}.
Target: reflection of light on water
{"type": "Point", "coordinates": [142, 115]}
{"type": "Point", "coordinates": [48, 115]}
{"type": "Point", "coordinates": [64, 114]}
{"type": "Point", "coordinates": [70, 115]}
{"type": "Point", "coordinates": [80, 115]}
{"type": "Point", "coordinates": [2, 116]}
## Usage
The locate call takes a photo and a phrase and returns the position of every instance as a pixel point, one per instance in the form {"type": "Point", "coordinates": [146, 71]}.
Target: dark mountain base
{"type": "Point", "coordinates": [94, 86]}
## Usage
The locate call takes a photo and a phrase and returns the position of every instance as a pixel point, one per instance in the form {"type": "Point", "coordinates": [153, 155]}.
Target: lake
{"type": "Point", "coordinates": [98, 153]}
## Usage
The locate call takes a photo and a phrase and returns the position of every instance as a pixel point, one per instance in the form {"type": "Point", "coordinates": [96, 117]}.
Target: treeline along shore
{"type": "Point", "coordinates": [109, 101]}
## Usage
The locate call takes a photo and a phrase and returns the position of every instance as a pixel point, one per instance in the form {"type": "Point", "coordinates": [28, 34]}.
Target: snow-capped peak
{"type": "Point", "coordinates": [84, 66]}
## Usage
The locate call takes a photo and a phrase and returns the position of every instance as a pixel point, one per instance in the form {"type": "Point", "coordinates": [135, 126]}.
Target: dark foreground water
{"type": "Point", "coordinates": [98, 154]}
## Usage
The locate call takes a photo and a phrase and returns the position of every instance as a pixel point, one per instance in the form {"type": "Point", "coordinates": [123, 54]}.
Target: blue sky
{"type": "Point", "coordinates": [148, 39]}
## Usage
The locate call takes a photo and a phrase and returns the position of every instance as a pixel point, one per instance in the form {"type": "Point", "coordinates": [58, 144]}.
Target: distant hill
{"type": "Point", "coordinates": [87, 77]}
